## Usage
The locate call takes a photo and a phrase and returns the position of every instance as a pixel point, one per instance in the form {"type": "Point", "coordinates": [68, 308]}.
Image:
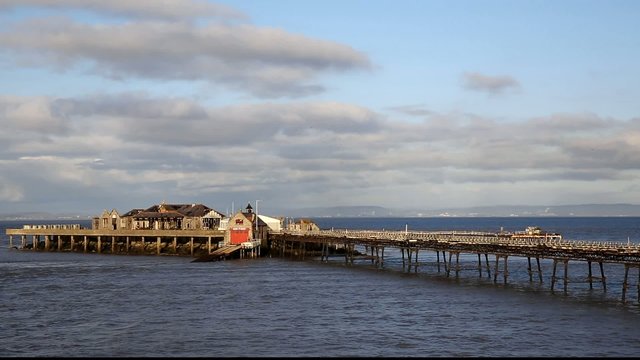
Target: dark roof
{"type": "Point", "coordinates": [248, 206]}
{"type": "Point", "coordinates": [157, 215]}
{"type": "Point", "coordinates": [132, 212]}
{"type": "Point", "coordinates": [194, 210]}
{"type": "Point", "coordinates": [173, 210]}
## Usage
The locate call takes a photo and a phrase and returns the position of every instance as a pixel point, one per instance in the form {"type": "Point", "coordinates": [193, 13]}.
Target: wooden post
{"type": "Point", "coordinates": [72, 243]}
{"type": "Point", "coordinates": [479, 265]}
{"type": "Point", "coordinates": [506, 270]}
{"type": "Point", "coordinates": [539, 269]}
{"type": "Point", "coordinates": [208, 244]}
{"type": "Point", "coordinates": [566, 274]}
{"type": "Point", "coordinates": [590, 275]}
{"type": "Point", "coordinates": [128, 244]}
{"type": "Point", "coordinates": [417, 262]}
{"type": "Point", "coordinates": [85, 244]}
{"type": "Point", "coordinates": [99, 245]}
{"type": "Point", "coordinates": [604, 280]}
{"type": "Point", "coordinates": [495, 272]}
{"type": "Point", "coordinates": [444, 262]}
{"type": "Point", "coordinates": [191, 245]}
{"type": "Point", "coordinates": [23, 241]}
{"type": "Point", "coordinates": [175, 244]}
{"type": "Point", "coordinates": [553, 276]}
{"type": "Point", "coordinates": [35, 242]}
{"type": "Point", "coordinates": [46, 243]}
{"type": "Point", "coordinates": [113, 244]}
{"type": "Point", "coordinates": [486, 261]}
{"type": "Point", "coordinates": [457, 263]}
{"type": "Point", "coordinates": [438, 259]}
{"type": "Point", "coordinates": [449, 264]}
{"type": "Point", "coordinates": [59, 242]}
{"type": "Point", "coordinates": [158, 245]}
{"type": "Point", "coordinates": [143, 245]}
{"type": "Point", "coordinates": [625, 283]}
{"type": "Point", "coordinates": [529, 269]}
{"type": "Point", "coordinates": [10, 241]}
{"type": "Point", "coordinates": [382, 262]}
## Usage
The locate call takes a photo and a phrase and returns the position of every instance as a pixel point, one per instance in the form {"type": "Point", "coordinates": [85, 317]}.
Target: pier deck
{"type": "Point", "coordinates": [502, 245]}
{"type": "Point", "coordinates": [158, 242]}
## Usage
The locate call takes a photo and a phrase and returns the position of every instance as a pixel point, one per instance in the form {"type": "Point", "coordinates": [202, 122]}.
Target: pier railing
{"type": "Point", "coordinates": [552, 245]}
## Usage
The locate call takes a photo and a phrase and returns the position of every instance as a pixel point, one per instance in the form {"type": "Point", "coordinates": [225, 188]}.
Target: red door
{"type": "Point", "coordinates": [239, 235]}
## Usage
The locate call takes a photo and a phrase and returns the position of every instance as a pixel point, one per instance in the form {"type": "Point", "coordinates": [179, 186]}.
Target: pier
{"type": "Point", "coordinates": [359, 245]}
{"type": "Point", "coordinates": [370, 245]}
{"type": "Point", "coordinates": [74, 238]}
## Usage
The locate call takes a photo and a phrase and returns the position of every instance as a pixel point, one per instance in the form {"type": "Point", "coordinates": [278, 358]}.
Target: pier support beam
{"type": "Point", "coordinates": [566, 274]}
{"type": "Point", "coordinates": [604, 279]}
{"type": "Point", "coordinates": [505, 271]}
{"type": "Point", "coordinates": [625, 283]}
{"type": "Point", "coordinates": [486, 261]}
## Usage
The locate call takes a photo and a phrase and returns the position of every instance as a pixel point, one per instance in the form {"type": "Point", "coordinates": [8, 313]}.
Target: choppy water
{"type": "Point", "coordinates": [68, 304]}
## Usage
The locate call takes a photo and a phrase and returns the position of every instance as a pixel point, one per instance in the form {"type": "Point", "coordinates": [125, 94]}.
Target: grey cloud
{"type": "Point", "coordinates": [199, 151]}
{"type": "Point", "coordinates": [167, 9]}
{"type": "Point", "coordinates": [413, 110]}
{"type": "Point", "coordinates": [265, 62]}
{"type": "Point", "coordinates": [489, 83]}
{"type": "Point", "coordinates": [31, 114]}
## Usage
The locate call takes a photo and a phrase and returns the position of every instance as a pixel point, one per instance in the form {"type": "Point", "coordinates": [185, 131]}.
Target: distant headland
{"type": "Point", "coordinates": [379, 211]}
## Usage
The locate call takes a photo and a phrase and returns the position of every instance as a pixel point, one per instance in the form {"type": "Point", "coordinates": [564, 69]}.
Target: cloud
{"type": "Point", "coordinates": [289, 152]}
{"type": "Point", "coordinates": [264, 62]}
{"type": "Point", "coordinates": [489, 84]}
{"type": "Point", "coordinates": [167, 9]}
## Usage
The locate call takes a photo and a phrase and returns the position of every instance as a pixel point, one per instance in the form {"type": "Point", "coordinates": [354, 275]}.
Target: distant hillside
{"type": "Point", "coordinates": [42, 216]}
{"type": "Point", "coordinates": [480, 211]}
{"type": "Point", "coordinates": [343, 211]}
{"type": "Point", "coordinates": [379, 211]}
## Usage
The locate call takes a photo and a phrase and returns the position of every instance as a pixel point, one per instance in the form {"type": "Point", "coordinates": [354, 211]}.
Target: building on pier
{"type": "Point", "coordinates": [161, 217]}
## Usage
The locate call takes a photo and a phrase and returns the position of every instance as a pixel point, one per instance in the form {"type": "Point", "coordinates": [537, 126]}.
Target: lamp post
{"type": "Point", "coordinates": [257, 233]}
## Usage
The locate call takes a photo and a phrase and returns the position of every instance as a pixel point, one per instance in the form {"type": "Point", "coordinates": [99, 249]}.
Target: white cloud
{"type": "Point", "coordinates": [264, 62]}
{"type": "Point", "coordinates": [291, 151]}
{"type": "Point", "coordinates": [163, 9]}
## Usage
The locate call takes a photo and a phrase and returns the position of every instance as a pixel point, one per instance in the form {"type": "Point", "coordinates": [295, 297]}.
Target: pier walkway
{"type": "Point", "coordinates": [209, 245]}
{"type": "Point", "coordinates": [501, 245]}
{"type": "Point", "coordinates": [71, 237]}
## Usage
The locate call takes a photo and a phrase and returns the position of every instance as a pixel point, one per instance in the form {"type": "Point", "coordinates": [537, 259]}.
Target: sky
{"type": "Point", "coordinates": [291, 104]}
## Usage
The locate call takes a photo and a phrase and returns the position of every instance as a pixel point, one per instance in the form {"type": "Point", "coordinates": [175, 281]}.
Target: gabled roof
{"type": "Point", "coordinates": [174, 210]}
{"type": "Point", "coordinates": [157, 215]}
{"type": "Point", "coordinates": [132, 212]}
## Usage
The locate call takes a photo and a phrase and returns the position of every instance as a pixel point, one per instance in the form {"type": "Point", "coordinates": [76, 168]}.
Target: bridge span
{"type": "Point", "coordinates": [531, 244]}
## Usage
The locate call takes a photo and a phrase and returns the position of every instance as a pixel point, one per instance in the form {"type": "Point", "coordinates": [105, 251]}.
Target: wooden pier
{"type": "Point", "coordinates": [73, 238]}
{"type": "Point", "coordinates": [501, 246]}
{"type": "Point", "coordinates": [209, 245]}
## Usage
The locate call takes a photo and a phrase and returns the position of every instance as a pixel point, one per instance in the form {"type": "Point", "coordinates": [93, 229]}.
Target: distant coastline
{"type": "Point", "coordinates": [583, 210]}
